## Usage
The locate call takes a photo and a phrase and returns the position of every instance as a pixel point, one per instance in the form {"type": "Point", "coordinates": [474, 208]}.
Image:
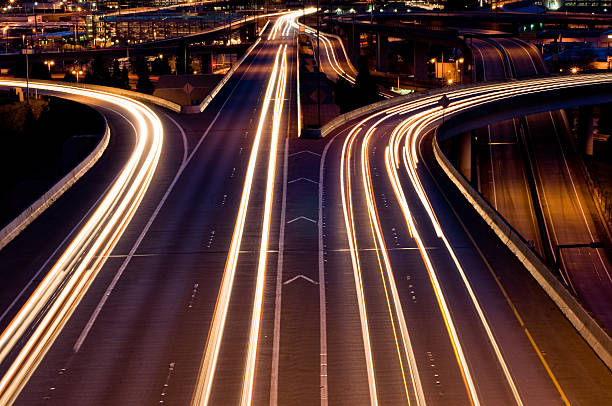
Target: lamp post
{"type": "Point", "coordinates": [49, 64]}
{"type": "Point", "coordinates": [77, 73]}
{"type": "Point", "coordinates": [608, 51]}
{"type": "Point", "coordinates": [5, 31]}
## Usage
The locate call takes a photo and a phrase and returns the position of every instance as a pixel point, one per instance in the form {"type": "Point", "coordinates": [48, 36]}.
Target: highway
{"type": "Point", "coordinates": [178, 258]}
{"type": "Point", "coordinates": [502, 175]}
{"type": "Point", "coordinates": [538, 146]}
{"type": "Point", "coordinates": [418, 261]}
{"type": "Point", "coordinates": [215, 259]}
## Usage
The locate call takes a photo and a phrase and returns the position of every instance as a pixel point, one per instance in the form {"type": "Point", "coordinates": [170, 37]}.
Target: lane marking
{"type": "Point", "coordinates": [302, 218]}
{"type": "Point", "coordinates": [145, 230]}
{"type": "Point", "coordinates": [306, 278]}
{"type": "Point", "coordinates": [279, 284]}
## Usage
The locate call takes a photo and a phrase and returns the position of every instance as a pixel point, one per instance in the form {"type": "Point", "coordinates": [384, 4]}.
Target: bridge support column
{"type": "Point", "coordinates": [420, 60]}
{"type": "Point", "coordinates": [382, 53]}
{"type": "Point", "coordinates": [247, 33]}
{"type": "Point", "coordinates": [585, 129]}
{"type": "Point", "coordinates": [465, 155]}
{"type": "Point", "coordinates": [354, 45]}
{"type": "Point", "coordinates": [206, 63]}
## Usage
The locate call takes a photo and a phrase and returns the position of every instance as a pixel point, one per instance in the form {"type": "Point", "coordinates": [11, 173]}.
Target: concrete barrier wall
{"type": "Point", "coordinates": [372, 108]}
{"type": "Point", "coordinates": [15, 227]}
{"type": "Point", "coordinates": [147, 98]}
{"type": "Point", "coordinates": [585, 324]}
{"type": "Point", "coordinates": [211, 95]}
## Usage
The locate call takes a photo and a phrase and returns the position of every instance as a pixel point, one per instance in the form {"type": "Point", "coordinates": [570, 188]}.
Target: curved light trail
{"type": "Point", "coordinates": [275, 87]}
{"type": "Point", "coordinates": [50, 306]}
{"type": "Point", "coordinates": [402, 151]}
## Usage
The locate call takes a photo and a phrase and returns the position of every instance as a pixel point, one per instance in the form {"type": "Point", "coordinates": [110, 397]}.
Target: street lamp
{"type": "Point", "coordinates": [77, 73]}
{"type": "Point", "coordinates": [574, 70]}
{"type": "Point", "coordinates": [608, 51]}
{"type": "Point", "coordinates": [449, 81]}
{"type": "Point", "coordinates": [49, 64]}
{"type": "Point", "coordinates": [5, 32]}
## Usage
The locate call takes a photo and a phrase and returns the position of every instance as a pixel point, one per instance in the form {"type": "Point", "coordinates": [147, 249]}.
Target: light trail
{"type": "Point", "coordinates": [347, 207]}
{"type": "Point", "coordinates": [208, 365]}
{"type": "Point", "coordinates": [70, 277]}
{"type": "Point", "coordinates": [204, 383]}
{"type": "Point", "coordinates": [249, 374]}
{"type": "Point", "coordinates": [424, 114]}
{"type": "Point", "coordinates": [381, 249]}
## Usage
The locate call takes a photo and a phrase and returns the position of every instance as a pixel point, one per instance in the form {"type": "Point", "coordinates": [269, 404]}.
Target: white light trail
{"type": "Point", "coordinates": [206, 373]}
{"type": "Point", "coordinates": [249, 374]}
{"type": "Point", "coordinates": [70, 277]}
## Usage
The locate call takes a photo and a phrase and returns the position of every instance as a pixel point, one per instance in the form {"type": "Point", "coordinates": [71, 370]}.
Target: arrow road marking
{"type": "Point", "coordinates": [298, 277]}
{"type": "Point", "coordinates": [302, 178]}
{"type": "Point", "coordinates": [302, 218]}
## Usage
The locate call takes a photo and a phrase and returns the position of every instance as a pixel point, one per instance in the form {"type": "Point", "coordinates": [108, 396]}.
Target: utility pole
{"type": "Point", "coordinates": [27, 76]}
{"type": "Point", "coordinates": [318, 67]}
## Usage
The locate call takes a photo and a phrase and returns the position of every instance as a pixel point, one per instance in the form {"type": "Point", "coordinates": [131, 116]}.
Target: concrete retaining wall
{"type": "Point", "coordinates": [15, 227]}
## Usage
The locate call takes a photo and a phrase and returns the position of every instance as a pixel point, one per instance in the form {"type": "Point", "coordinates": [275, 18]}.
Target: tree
{"type": "Point", "coordinates": [19, 71]}
{"type": "Point", "coordinates": [39, 70]}
{"type": "Point", "coordinates": [98, 74]}
{"type": "Point", "coordinates": [604, 125]}
{"type": "Point", "coordinates": [161, 66]}
{"type": "Point", "coordinates": [366, 90]}
{"type": "Point", "coordinates": [69, 77]}
{"type": "Point", "coordinates": [144, 84]}
{"type": "Point", "coordinates": [344, 95]}
{"type": "Point", "coordinates": [125, 79]}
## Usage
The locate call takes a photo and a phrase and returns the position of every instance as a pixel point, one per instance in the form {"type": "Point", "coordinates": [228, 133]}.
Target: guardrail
{"type": "Point", "coordinates": [115, 90]}
{"type": "Point", "coordinates": [211, 95]}
{"type": "Point", "coordinates": [342, 119]}
{"type": "Point", "coordinates": [15, 227]}
{"type": "Point", "coordinates": [586, 325]}
{"type": "Point", "coordinates": [583, 322]}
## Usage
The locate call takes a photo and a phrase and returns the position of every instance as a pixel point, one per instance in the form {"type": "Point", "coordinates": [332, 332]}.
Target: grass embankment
{"type": "Point", "coordinates": [39, 144]}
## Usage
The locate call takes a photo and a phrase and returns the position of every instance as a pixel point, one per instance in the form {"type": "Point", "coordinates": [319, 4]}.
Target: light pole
{"type": "Point", "coordinates": [608, 51]}
{"type": "Point", "coordinates": [318, 68]}
{"type": "Point", "coordinates": [5, 31]}
{"type": "Point", "coordinates": [77, 73]}
{"type": "Point", "coordinates": [49, 64]}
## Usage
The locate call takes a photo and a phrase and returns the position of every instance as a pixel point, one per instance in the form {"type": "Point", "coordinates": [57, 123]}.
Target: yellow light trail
{"type": "Point", "coordinates": [380, 242]}
{"type": "Point", "coordinates": [208, 365]}
{"type": "Point", "coordinates": [70, 277]}
{"type": "Point", "coordinates": [347, 205]}
{"type": "Point", "coordinates": [414, 129]}
{"type": "Point", "coordinates": [393, 162]}
{"type": "Point", "coordinates": [249, 374]}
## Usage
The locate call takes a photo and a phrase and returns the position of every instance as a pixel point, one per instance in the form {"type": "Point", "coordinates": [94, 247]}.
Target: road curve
{"type": "Point", "coordinates": [35, 327]}
{"type": "Point", "coordinates": [490, 328]}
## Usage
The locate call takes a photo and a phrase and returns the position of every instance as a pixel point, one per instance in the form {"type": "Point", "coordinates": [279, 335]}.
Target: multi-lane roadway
{"type": "Point", "coordinates": [249, 267]}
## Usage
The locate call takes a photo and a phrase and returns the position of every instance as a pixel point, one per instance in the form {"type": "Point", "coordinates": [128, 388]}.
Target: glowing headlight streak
{"type": "Point", "coordinates": [249, 374]}
{"type": "Point", "coordinates": [380, 242]}
{"type": "Point", "coordinates": [393, 157]}
{"type": "Point", "coordinates": [69, 279]}
{"type": "Point", "coordinates": [347, 207]}
{"type": "Point", "coordinates": [206, 373]}
{"type": "Point", "coordinates": [414, 129]}
{"type": "Point", "coordinates": [331, 55]}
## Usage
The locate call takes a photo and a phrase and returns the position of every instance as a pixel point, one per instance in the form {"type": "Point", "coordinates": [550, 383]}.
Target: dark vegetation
{"type": "Point", "coordinates": [365, 91]}
{"type": "Point", "coordinates": [39, 144]}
